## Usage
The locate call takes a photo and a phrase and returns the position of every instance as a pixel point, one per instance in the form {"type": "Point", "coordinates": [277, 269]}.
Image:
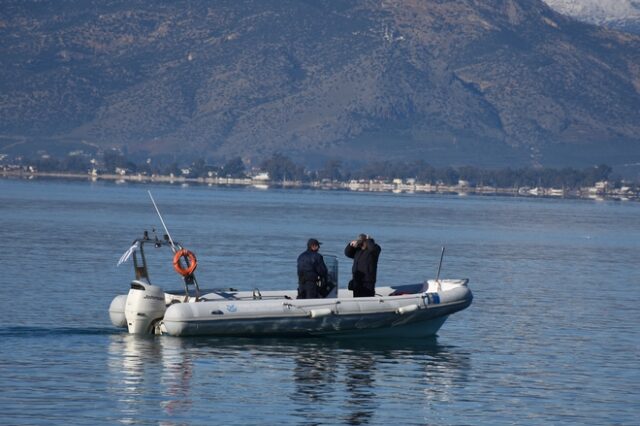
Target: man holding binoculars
{"type": "Point", "coordinates": [365, 253]}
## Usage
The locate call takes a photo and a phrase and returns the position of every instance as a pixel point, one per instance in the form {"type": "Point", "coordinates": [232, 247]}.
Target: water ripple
{"type": "Point", "coordinates": [551, 338]}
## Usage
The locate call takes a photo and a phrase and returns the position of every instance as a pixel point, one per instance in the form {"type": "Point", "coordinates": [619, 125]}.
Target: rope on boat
{"type": "Point", "coordinates": [315, 313]}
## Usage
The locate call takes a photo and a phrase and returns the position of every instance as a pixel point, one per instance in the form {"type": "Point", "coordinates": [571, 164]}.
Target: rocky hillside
{"type": "Point", "coordinates": [481, 82]}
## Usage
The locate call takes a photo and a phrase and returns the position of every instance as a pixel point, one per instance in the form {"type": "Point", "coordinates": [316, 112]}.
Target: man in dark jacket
{"type": "Point", "coordinates": [365, 253]}
{"type": "Point", "coordinates": [311, 270]}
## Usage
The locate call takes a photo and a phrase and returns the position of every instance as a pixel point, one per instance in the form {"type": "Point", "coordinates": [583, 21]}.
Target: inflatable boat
{"type": "Point", "coordinates": [412, 310]}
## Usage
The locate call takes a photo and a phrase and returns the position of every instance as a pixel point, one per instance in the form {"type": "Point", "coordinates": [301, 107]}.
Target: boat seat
{"type": "Point", "coordinates": [406, 289]}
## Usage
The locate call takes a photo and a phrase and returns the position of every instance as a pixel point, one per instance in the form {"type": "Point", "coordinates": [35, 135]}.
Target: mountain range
{"type": "Point", "coordinates": [489, 83]}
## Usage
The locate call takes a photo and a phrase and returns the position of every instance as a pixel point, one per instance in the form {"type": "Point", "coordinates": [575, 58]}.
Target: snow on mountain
{"type": "Point", "coordinates": [616, 13]}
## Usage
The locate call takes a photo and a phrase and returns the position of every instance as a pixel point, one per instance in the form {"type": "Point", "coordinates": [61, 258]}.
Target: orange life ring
{"type": "Point", "coordinates": [190, 259]}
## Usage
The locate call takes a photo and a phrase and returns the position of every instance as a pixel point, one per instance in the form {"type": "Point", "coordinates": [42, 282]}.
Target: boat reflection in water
{"type": "Point", "coordinates": [175, 379]}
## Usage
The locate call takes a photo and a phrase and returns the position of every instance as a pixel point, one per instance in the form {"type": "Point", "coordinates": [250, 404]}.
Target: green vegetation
{"type": "Point", "coordinates": [502, 178]}
{"type": "Point", "coordinates": [282, 168]}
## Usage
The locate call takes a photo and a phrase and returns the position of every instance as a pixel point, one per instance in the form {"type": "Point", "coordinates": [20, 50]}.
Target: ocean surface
{"type": "Point", "coordinates": [552, 337]}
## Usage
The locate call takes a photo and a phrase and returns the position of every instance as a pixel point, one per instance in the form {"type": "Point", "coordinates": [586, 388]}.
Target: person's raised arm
{"type": "Point", "coordinates": [350, 249]}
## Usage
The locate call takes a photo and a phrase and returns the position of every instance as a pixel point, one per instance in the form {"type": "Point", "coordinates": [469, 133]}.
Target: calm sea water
{"type": "Point", "coordinates": [553, 335]}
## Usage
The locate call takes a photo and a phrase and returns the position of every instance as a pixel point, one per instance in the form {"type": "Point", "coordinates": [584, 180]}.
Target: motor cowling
{"type": "Point", "coordinates": [144, 307]}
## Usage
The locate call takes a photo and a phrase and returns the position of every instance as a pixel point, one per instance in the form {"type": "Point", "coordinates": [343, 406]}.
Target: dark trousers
{"type": "Point", "coordinates": [364, 289]}
{"type": "Point", "coordinates": [308, 290]}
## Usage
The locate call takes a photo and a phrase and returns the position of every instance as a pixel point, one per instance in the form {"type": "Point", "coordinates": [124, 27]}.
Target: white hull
{"type": "Point", "coordinates": [403, 311]}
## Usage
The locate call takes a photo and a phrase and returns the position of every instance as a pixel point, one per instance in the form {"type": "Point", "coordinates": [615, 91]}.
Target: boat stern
{"type": "Point", "coordinates": [116, 311]}
{"type": "Point", "coordinates": [145, 306]}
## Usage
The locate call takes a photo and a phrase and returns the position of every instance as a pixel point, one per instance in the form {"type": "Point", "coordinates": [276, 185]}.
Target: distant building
{"type": "Point", "coordinates": [599, 188]}
{"type": "Point", "coordinates": [262, 177]}
{"type": "Point", "coordinates": [602, 185]}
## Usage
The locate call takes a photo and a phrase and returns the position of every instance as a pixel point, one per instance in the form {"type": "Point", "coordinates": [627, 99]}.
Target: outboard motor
{"type": "Point", "coordinates": [144, 307]}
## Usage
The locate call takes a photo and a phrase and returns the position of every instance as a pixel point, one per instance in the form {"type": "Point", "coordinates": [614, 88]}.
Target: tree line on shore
{"type": "Point", "coordinates": [282, 168]}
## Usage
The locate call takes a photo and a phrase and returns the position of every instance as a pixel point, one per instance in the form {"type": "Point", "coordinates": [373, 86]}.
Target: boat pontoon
{"type": "Point", "coordinates": [413, 310]}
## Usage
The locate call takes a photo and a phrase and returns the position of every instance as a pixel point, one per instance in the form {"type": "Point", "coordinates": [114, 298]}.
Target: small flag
{"type": "Point", "coordinates": [128, 253]}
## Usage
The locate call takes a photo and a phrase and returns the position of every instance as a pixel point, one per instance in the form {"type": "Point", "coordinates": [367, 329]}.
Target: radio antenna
{"type": "Point", "coordinates": [439, 265]}
{"type": "Point", "coordinates": [173, 247]}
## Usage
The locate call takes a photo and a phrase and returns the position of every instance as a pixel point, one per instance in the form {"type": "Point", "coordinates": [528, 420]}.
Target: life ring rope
{"type": "Point", "coordinates": [190, 260]}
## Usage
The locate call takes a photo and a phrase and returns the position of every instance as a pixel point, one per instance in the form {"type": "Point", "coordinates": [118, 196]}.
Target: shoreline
{"type": "Point", "coordinates": [396, 186]}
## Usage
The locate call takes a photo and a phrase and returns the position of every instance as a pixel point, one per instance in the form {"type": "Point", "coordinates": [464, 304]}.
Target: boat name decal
{"type": "Point", "coordinates": [153, 297]}
{"type": "Point", "coordinates": [232, 308]}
